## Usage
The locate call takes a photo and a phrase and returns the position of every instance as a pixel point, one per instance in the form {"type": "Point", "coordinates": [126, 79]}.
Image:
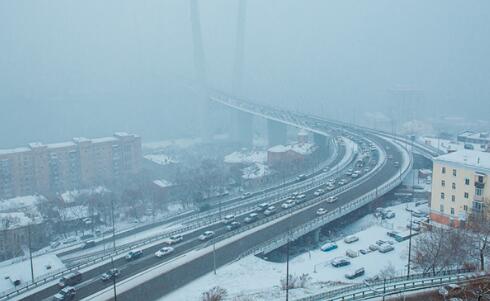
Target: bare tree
{"type": "Point", "coordinates": [479, 226]}
{"type": "Point", "coordinates": [215, 294]}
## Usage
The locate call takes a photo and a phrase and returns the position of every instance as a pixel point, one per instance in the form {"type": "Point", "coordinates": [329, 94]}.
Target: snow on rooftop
{"type": "Point", "coordinates": [60, 145]}
{"type": "Point", "coordinates": [104, 139]}
{"type": "Point", "coordinates": [74, 212]}
{"type": "Point", "coordinates": [14, 150]}
{"type": "Point", "coordinates": [35, 144]}
{"type": "Point", "coordinates": [182, 143]}
{"type": "Point", "coordinates": [13, 220]}
{"type": "Point", "coordinates": [81, 139]}
{"type": "Point", "coordinates": [162, 183]}
{"type": "Point", "coordinates": [20, 202]}
{"type": "Point", "coordinates": [160, 159]}
{"type": "Point", "coordinates": [255, 171]}
{"type": "Point", "coordinates": [71, 195]}
{"type": "Point", "coordinates": [246, 157]}
{"type": "Point", "coordinates": [468, 158]}
{"type": "Point", "coordinates": [300, 148]}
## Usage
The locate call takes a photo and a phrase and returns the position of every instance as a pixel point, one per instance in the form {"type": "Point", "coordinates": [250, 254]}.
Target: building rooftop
{"type": "Point", "coordinates": [104, 139]}
{"type": "Point", "coordinates": [61, 145]}
{"type": "Point", "coordinates": [14, 150]}
{"type": "Point", "coordinates": [467, 158]}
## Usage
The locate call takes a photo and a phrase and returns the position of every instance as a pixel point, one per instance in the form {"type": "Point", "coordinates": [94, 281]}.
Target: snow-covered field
{"type": "Point", "coordinates": [260, 280]}
{"type": "Point", "coordinates": [22, 270]}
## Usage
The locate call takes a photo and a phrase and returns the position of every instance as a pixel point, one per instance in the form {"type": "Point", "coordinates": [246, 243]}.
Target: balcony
{"type": "Point", "coordinates": [480, 185]}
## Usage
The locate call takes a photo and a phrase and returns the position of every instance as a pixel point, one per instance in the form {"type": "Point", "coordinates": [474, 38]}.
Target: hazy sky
{"type": "Point", "coordinates": [89, 68]}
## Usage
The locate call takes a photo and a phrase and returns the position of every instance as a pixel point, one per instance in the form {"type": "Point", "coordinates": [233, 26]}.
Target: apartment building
{"type": "Point", "coordinates": [50, 168]}
{"type": "Point", "coordinates": [459, 186]}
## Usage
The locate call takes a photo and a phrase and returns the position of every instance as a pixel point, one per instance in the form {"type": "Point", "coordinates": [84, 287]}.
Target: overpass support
{"type": "Point", "coordinates": [276, 132]}
{"type": "Point", "coordinates": [316, 235]}
{"type": "Point", "coordinates": [243, 132]}
{"type": "Point", "coordinates": [320, 140]}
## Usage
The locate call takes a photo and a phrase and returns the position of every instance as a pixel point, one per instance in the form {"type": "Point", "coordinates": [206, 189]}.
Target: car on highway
{"type": "Point", "coordinates": [88, 244]}
{"type": "Point", "coordinates": [54, 244]}
{"type": "Point", "coordinates": [110, 274]}
{"type": "Point", "coordinates": [233, 225]}
{"type": "Point", "coordinates": [330, 187]}
{"type": "Point", "coordinates": [70, 279]}
{"type": "Point", "coordinates": [270, 210]}
{"type": "Point", "coordinates": [206, 235]}
{"type": "Point", "coordinates": [164, 252]}
{"type": "Point", "coordinates": [228, 219]}
{"type": "Point", "coordinates": [342, 182]}
{"type": "Point", "coordinates": [332, 199]}
{"type": "Point", "coordinates": [396, 164]}
{"type": "Point", "coordinates": [319, 192]}
{"type": "Point", "coordinates": [245, 195]}
{"type": "Point", "coordinates": [301, 177]}
{"type": "Point", "coordinates": [262, 207]}
{"type": "Point", "coordinates": [321, 211]}
{"type": "Point", "coordinates": [175, 239]}
{"type": "Point", "coordinates": [252, 217]}
{"type": "Point", "coordinates": [450, 290]}
{"type": "Point", "coordinates": [354, 274]}
{"type": "Point", "coordinates": [288, 204]}
{"type": "Point", "coordinates": [67, 293]}
{"type": "Point", "coordinates": [355, 174]}
{"type": "Point", "coordinates": [133, 255]}
{"type": "Point", "coordinates": [340, 262]}
{"type": "Point", "coordinates": [301, 196]}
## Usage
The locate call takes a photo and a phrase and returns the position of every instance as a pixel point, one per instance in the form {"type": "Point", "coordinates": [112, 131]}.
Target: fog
{"type": "Point", "coordinates": [90, 68]}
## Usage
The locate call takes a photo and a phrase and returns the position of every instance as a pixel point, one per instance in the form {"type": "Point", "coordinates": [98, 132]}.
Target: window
{"type": "Point", "coordinates": [452, 211]}
{"type": "Point", "coordinates": [480, 179]}
{"type": "Point", "coordinates": [453, 198]}
{"type": "Point", "coordinates": [467, 181]}
{"type": "Point", "coordinates": [479, 192]}
{"type": "Point", "coordinates": [465, 207]}
{"type": "Point", "coordinates": [466, 195]}
{"type": "Point", "coordinates": [454, 172]}
{"type": "Point", "coordinates": [444, 170]}
{"type": "Point", "coordinates": [477, 206]}
{"type": "Point", "coordinates": [443, 183]}
{"type": "Point", "coordinates": [441, 208]}
{"type": "Point", "coordinates": [454, 185]}
{"type": "Point", "coordinates": [442, 195]}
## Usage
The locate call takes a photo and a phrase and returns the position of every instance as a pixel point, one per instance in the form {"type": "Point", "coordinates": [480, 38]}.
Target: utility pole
{"type": "Point", "coordinates": [409, 246]}
{"type": "Point", "coordinates": [30, 250]}
{"type": "Point", "coordinates": [287, 270]}
{"type": "Point", "coordinates": [214, 257]}
{"type": "Point", "coordinates": [113, 226]}
{"type": "Point", "coordinates": [114, 279]}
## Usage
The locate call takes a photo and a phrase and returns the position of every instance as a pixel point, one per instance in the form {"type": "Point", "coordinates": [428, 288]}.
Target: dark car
{"type": "Point", "coordinates": [135, 254]}
{"type": "Point", "coordinates": [233, 226]}
{"type": "Point", "coordinates": [70, 279]}
{"type": "Point", "coordinates": [354, 274]}
{"type": "Point", "coordinates": [88, 244]}
{"type": "Point", "coordinates": [109, 275]}
{"type": "Point", "coordinates": [68, 293]}
{"type": "Point", "coordinates": [340, 262]}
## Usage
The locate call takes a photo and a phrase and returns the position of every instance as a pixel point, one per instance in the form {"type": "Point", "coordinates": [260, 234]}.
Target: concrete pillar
{"type": "Point", "coordinates": [243, 132]}
{"type": "Point", "coordinates": [277, 132]}
{"type": "Point", "coordinates": [316, 236]}
{"type": "Point", "coordinates": [320, 141]}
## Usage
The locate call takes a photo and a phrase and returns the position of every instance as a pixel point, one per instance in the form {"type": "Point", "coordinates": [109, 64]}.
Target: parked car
{"type": "Point", "coordinates": [386, 248]}
{"type": "Point", "coordinates": [332, 199]}
{"type": "Point", "coordinates": [133, 255]}
{"type": "Point", "coordinates": [252, 217]}
{"type": "Point", "coordinates": [450, 290]}
{"type": "Point", "coordinates": [364, 251]}
{"type": "Point", "coordinates": [109, 275]}
{"type": "Point", "coordinates": [67, 293]}
{"type": "Point", "coordinates": [233, 225]}
{"type": "Point", "coordinates": [340, 262]}
{"type": "Point", "coordinates": [270, 210]}
{"type": "Point", "coordinates": [206, 235]}
{"type": "Point", "coordinates": [88, 244]}
{"type": "Point", "coordinates": [329, 247]}
{"type": "Point", "coordinates": [351, 253]}
{"type": "Point", "coordinates": [288, 204]}
{"type": "Point", "coordinates": [354, 274]}
{"type": "Point", "coordinates": [164, 252]}
{"type": "Point", "coordinates": [389, 214]}
{"type": "Point", "coordinates": [321, 211]}
{"type": "Point", "coordinates": [175, 239]}
{"type": "Point", "coordinates": [351, 239]}
{"type": "Point", "coordinates": [70, 279]}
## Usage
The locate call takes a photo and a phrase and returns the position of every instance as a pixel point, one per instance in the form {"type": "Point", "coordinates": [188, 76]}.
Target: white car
{"type": "Point", "coordinates": [330, 187]}
{"type": "Point", "coordinates": [288, 204]}
{"type": "Point", "coordinates": [175, 239]}
{"type": "Point", "coordinates": [301, 196]}
{"type": "Point", "coordinates": [228, 219]}
{"type": "Point", "coordinates": [321, 211]}
{"type": "Point", "coordinates": [332, 199]}
{"type": "Point", "coordinates": [319, 192]}
{"type": "Point", "coordinates": [164, 252]}
{"type": "Point", "coordinates": [206, 235]}
{"type": "Point", "coordinates": [270, 210]}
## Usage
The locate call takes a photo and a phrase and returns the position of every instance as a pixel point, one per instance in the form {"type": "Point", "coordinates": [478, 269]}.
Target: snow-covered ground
{"type": "Point", "coordinates": [255, 171]}
{"type": "Point", "coordinates": [160, 159]}
{"type": "Point", "coordinates": [246, 157]}
{"type": "Point", "coordinates": [260, 280]}
{"type": "Point", "coordinates": [72, 195]}
{"type": "Point", "coordinates": [22, 270]}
